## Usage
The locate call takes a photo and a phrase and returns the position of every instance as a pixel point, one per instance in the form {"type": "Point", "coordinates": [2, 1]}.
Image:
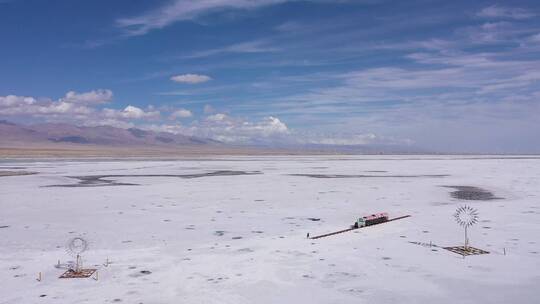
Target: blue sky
{"type": "Point", "coordinates": [439, 75]}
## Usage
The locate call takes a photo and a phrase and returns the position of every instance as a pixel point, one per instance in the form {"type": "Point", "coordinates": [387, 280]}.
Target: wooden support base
{"type": "Point", "coordinates": [72, 274]}
{"type": "Point", "coordinates": [466, 251]}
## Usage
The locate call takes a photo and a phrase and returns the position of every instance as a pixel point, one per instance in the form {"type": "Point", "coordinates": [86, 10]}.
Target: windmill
{"type": "Point", "coordinates": [466, 217]}
{"type": "Point", "coordinates": [75, 247]}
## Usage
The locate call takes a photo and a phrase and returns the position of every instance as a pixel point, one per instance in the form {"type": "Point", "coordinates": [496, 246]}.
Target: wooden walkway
{"type": "Point", "coordinates": [349, 229]}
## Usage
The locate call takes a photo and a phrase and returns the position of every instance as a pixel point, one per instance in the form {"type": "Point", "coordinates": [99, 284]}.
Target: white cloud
{"type": "Point", "coordinates": [448, 87]}
{"type": "Point", "coordinates": [180, 113]}
{"type": "Point", "coordinates": [179, 10]}
{"type": "Point", "coordinates": [347, 139]}
{"type": "Point", "coordinates": [131, 112]}
{"type": "Point", "coordinates": [271, 125]}
{"type": "Point", "coordinates": [208, 109]}
{"type": "Point", "coordinates": [473, 75]}
{"type": "Point", "coordinates": [190, 78]}
{"type": "Point", "coordinates": [62, 107]}
{"type": "Point", "coordinates": [72, 106]}
{"type": "Point", "coordinates": [168, 128]}
{"type": "Point", "coordinates": [83, 109]}
{"type": "Point", "coordinates": [23, 105]}
{"type": "Point", "coordinates": [88, 98]}
{"type": "Point", "coordinates": [290, 26]}
{"type": "Point", "coordinates": [218, 117]}
{"type": "Point", "coordinates": [494, 32]}
{"type": "Point", "coordinates": [230, 129]}
{"type": "Point", "coordinates": [78, 108]}
{"type": "Point", "coordinates": [256, 46]}
{"type": "Point", "coordinates": [534, 38]}
{"type": "Point", "coordinates": [14, 101]}
{"type": "Point", "coordinates": [218, 126]}
{"type": "Point", "coordinates": [496, 11]}
{"type": "Point", "coordinates": [98, 121]}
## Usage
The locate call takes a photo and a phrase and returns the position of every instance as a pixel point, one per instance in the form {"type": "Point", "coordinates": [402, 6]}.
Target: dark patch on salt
{"type": "Point", "coordinates": [245, 250]}
{"type": "Point", "coordinates": [236, 237]}
{"type": "Point", "coordinates": [314, 219]}
{"type": "Point", "coordinates": [140, 273]}
{"type": "Point", "coordinates": [355, 290]}
{"type": "Point", "coordinates": [108, 180]}
{"type": "Point", "coordinates": [4, 226]}
{"type": "Point", "coordinates": [16, 173]}
{"type": "Point", "coordinates": [440, 203]}
{"type": "Point", "coordinates": [429, 245]}
{"type": "Point", "coordinates": [367, 175]}
{"type": "Point", "coordinates": [472, 193]}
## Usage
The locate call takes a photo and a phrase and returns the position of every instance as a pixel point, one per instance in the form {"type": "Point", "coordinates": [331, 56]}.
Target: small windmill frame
{"type": "Point", "coordinates": [466, 217]}
{"type": "Point", "coordinates": [75, 247]}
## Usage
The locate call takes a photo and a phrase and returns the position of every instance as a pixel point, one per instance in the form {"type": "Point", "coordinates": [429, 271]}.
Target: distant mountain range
{"type": "Point", "coordinates": [61, 139]}
{"type": "Point", "coordinates": [51, 133]}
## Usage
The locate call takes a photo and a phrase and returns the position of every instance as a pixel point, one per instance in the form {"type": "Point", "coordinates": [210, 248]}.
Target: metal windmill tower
{"type": "Point", "coordinates": [75, 247]}
{"type": "Point", "coordinates": [466, 217]}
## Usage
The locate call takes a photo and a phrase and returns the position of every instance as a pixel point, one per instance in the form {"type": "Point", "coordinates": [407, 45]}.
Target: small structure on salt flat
{"type": "Point", "coordinates": [466, 217]}
{"type": "Point", "coordinates": [75, 247]}
{"type": "Point", "coordinates": [369, 220]}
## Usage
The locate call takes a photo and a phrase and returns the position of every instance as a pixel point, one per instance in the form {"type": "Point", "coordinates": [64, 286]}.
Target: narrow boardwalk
{"type": "Point", "coordinates": [349, 229]}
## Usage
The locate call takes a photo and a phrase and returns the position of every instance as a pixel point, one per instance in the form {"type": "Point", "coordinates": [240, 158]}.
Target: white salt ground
{"type": "Point", "coordinates": [242, 239]}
